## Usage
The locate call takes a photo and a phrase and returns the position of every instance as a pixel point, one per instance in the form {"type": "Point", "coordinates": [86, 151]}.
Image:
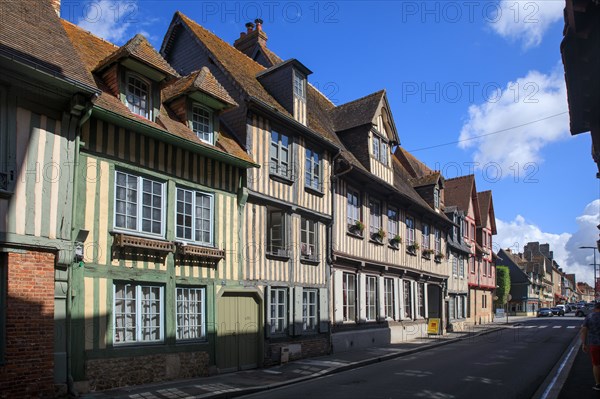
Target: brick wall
{"type": "Point", "coordinates": [28, 367]}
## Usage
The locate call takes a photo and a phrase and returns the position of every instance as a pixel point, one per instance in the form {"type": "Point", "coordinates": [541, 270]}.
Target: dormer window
{"type": "Point", "coordinates": [202, 123]}
{"type": "Point", "coordinates": [299, 85]}
{"type": "Point", "coordinates": [380, 149]}
{"type": "Point", "coordinates": [138, 95]}
{"type": "Point", "coordinates": [436, 197]}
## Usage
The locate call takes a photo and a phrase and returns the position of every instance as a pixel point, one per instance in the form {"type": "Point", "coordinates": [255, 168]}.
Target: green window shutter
{"type": "Point", "coordinates": [323, 310]}
{"type": "Point", "coordinates": [297, 312]}
{"type": "Point", "coordinates": [267, 311]}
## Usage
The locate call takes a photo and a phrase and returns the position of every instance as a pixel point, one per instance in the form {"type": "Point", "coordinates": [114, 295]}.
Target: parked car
{"type": "Point", "coordinates": [544, 312]}
{"type": "Point", "coordinates": [563, 307]}
{"type": "Point", "coordinates": [557, 311]}
{"type": "Point", "coordinates": [584, 310]}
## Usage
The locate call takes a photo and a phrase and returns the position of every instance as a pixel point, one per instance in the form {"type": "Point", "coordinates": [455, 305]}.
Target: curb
{"type": "Point", "coordinates": [248, 391]}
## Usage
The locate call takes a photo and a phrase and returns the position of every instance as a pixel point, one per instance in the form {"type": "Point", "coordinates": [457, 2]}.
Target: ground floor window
{"type": "Point", "coordinates": [371, 298]}
{"type": "Point", "coordinates": [461, 304]}
{"type": "Point", "coordinates": [484, 301]}
{"type": "Point", "coordinates": [388, 297]}
{"type": "Point", "coordinates": [408, 300]}
{"type": "Point", "coordinates": [278, 310]}
{"type": "Point", "coordinates": [138, 312]}
{"type": "Point", "coordinates": [309, 310]}
{"type": "Point", "coordinates": [452, 307]}
{"type": "Point", "coordinates": [421, 299]}
{"type": "Point", "coordinates": [190, 313]}
{"type": "Point", "coordinates": [349, 296]}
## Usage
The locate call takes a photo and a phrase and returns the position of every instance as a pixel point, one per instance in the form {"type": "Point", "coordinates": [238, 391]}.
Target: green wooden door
{"type": "Point", "coordinates": [237, 332]}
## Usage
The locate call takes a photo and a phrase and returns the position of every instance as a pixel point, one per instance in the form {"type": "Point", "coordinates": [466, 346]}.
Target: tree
{"type": "Point", "coordinates": [503, 283]}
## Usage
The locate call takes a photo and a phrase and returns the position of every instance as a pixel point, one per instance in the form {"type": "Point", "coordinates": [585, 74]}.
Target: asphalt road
{"type": "Point", "coordinates": [509, 364]}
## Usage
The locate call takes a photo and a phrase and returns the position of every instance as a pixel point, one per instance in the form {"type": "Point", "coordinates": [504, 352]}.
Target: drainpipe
{"type": "Point", "coordinates": [329, 260]}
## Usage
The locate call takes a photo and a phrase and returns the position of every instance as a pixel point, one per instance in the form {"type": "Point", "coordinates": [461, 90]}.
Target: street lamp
{"type": "Point", "coordinates": [594, 248]}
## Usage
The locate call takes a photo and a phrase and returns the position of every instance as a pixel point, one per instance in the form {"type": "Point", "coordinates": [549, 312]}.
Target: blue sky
{"type": "Point", "coordinates": [474, 86]}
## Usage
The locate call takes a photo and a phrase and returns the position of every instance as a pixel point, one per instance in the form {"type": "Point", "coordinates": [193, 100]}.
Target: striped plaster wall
{"type": "Point", "coordinates": [343, 243]}
{"type": "Point", "coordinates": [257, 267]}
{"type": "Point", "coordinates": [41, 203]}
{"type": "Point", "coordinates": [259, 140]}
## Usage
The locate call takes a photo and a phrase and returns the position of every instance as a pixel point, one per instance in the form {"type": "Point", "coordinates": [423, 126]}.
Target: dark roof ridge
{"type": "Point", "coordinates": [381, 91]}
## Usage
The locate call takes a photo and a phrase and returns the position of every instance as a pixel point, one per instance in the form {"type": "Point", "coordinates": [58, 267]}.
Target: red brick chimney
{"type": "Point", "coordinates": [56, 5]}
{"type": "Point", "coordinates": [249, 39]}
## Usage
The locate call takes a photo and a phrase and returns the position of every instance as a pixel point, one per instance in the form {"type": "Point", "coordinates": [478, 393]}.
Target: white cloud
{"type": "Point", "coordinates": [525, 20]}
{"type": "Point", "coordinates": [529, 102]}
{"type": "Point", "coordinates": [518, 232]}
{"type": "Point", "coordinates": [109, 19]}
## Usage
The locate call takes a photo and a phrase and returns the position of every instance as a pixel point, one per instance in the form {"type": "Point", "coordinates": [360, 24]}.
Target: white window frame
{"type": "Point", "coordinates": [138, 315]}
{"type": "Point", "coordinates": [425, 236]}
{"type": "Point", "coordinates": [309, 251]}
{"type": "Point", "coordinates": [139, 205]}
{"type": "Point", "coordinates": [407, 294]}
{"type": "Point", "coordinates": [191, 320]}
{"type": "Point", "coordinates": [461, 267]}
{"type": "Point", "coordinates": [393, 223]}
{"type": "Point", "coordinates": [454, 266]}
{"type": "Point", "coordinates": [374, 216]}
{"type": "Point", "coordinates": [410, 230]}
{"type": "Point", "coordinates": [278, 311]}
{"type": "Point", "coordinates": [421, 300]}
{"type": "Point", "coordinates": [346, 306]}
{"type": "Point", "coordinates": [299, 85]}
{"type": "Point", "coordinates": [209, 136]}
{"type": "Point", "coordinates": [277, 166]}
{"type": "Point", "coordinates": [371, 298]}
{"type": "Point", "coordinates": [376, 146]}
{"type": "Point", "coordinates": [282, 249]}
{"type": "Point", "coordinates": [313, 170]}
{"type": "Point", "coordinates": [134, 108]}
{"type": "Point", "coordinates": [310, 309]}
{"type": "Point", "coordinates": [437, 234]}
{"type": "Point", "coordinates": [353, 206]}
{"type": "Point", "coordinates": [194, 239]}
{"type": "Point", "coordinates": [389, 299]}
{"type": "Point", "coordinates": [383, 153]}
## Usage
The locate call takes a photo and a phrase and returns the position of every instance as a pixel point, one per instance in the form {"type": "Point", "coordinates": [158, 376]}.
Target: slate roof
{"type": "Point", "coordinates": [31, 32]}
{"type": "Point", "coordinates": [486, 207]}
{"type": "Point", "coordinates": [356, 113]}
{"type": "Point", "coordinates": [85, 42]}
{"type": "Point", "coordinates": [140, 49]}
{"type": "Point", "coordinates": [200, 80]}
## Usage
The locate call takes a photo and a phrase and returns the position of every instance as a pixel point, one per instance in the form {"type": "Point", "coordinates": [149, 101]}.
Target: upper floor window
{"type": "Point", "coordinates": [393, 230]}
{"type": "Point", "coordinates": [410, 231]}
{"type": "Point", "coordinates": [436, 197]}
{"type": "Point", "coordinates": [472, 231]}
{"type": "Point", "coordinates": [308, 239]}
{"type": "Point", "coordinates": [374, 216]}
{"type": "Point", "coordinates": [376, 145]}
{"type": "Point", "coordinates": [280, 155]}
{"type": "Point", "coordinates": [194, 216]}
{"type": "Point", "coordinates": [299, 85]}
{"type": "Point", "coordinates": [425, 239]}
{"type": "Point", "coordinates": [312, 170]}
{"type": "Point", "coordinates": [276, 229]}
{"type": "Point", "coordinates": [202, 123]}
{"type": "Point", "coordinates": [383, 153]}
{"type": "Point", "coordinates": [353, 211]}
{"type": "Point", "coordinates": [139, 204]}
{"type": "Point", "coordinates": [464, 228]}
{"type": "Point", "coordinates": [454, 266]}
{"type": "Point", "coordinates": [137, 94]}
{"type": "Point", "coordinates": [437, 234]}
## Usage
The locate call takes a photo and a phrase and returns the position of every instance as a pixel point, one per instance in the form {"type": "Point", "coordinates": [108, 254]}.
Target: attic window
{"type": "Point", "coordinates": [202, 123]}
{"type": "Point", "coordinates": [436, 197]}
{"type": "Point", "coordinates": [299, 85]}
{"type": "Point", "coordinates": [137, 96]}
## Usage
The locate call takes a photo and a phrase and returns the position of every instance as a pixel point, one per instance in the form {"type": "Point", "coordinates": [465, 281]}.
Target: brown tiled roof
{"type": "Point", "coordinates": [200, 80]}
{"type": "Point", "coordinates": [426, 180]}
{"type": "Point", "coordinates": [271, 56]}
{"type": "Point", "coordinates": [91, 48]}
{"type": "Point", "coordinates": [459, 191]}
{"type": "Point", "coordinates": [32, 33]}
{"type": "Point", "coordinates": [415, 167]}
{"type": "Point", "coordinates": [486, 206]}
{"type": "Point", "coordinates": [85, 42]}
{"type": "Point", "coordinates": [140, 49]}
{"type": "Point", "coordinates": [358, 112]}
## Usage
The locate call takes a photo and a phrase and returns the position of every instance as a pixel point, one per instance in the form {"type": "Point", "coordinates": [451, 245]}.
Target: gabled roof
{"type": "Point", "coordinates": [84, 42]}
{"type": "Point", "coordinates": [140, 49]}
{"type": "Point", "coordinates": [200, 80]}
{"type": "Point", "coordinates": [487, 209]}
{"type": "Point", "coordinates": [357, 112]}
{"type": "Point", "coordinates": [460, 191]}
{"type": "Point", "coordinates": [31, 33]}
{"type": "Point", "coordinates": [415, 167]}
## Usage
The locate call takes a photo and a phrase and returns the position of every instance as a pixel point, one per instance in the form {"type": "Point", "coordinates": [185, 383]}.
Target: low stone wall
{"type": "Point", "coordinates": [298, 349]}
{"type": "Point", "coordinates": [122, 371]}
{"type": "Point", "coordinates": [393, 333]}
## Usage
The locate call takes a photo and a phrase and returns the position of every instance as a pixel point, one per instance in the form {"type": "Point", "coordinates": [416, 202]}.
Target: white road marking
{"type": "Point", "coordinates": [571, 326]}
{"type": "Point", "coordinates": [543, 327]}
{"type": "Point", "coordinates": [557, 327]}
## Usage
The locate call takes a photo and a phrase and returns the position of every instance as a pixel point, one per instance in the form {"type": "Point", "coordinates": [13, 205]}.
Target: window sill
{"type": "Point", "coordinates": [314, 191]}
{"type": "Point", "coordinates": [412, 253]}
{"type": "Point", "coordinates": [281, 179]}
{"type": "Point", "coordinates": [310, 261]}
{"type": "Point", "coordinates": [394, 247]}
{"type": "Point", "coordinates": [283, 258]}
{"type": "Point", "coordinates": [137, 344]}
{"type": "Point", "coordinates": [353, 234]}
{"type": "Point", "coordinates": [376, 242]}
